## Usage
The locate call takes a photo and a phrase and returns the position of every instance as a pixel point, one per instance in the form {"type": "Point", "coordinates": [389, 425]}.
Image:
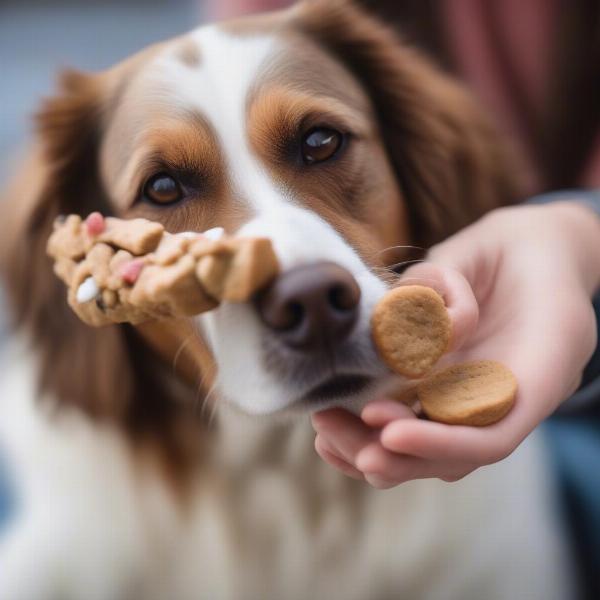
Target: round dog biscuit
{"type": "Point", "coordinates": [411, 329]}
{"type": "Point", "coordinates": [473, 393]}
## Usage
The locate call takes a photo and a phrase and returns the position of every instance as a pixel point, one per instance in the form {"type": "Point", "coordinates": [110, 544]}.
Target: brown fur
{"type": "Point", "coordinates": [188, 148]}
{"type": "Point", "coordinates": [109, 373]}
{"type": "Point", "coordinates": [443, 158]}
{"type": "Point", "coordinates": [451, 166]}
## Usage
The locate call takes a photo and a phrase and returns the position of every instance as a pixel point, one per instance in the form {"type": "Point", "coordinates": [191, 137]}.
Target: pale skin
{"type": "Point", "coordinates": [518, 285]}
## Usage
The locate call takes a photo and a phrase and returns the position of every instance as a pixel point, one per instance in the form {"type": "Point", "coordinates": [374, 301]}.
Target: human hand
{"type": "Point", "coordinates": [517, 285]}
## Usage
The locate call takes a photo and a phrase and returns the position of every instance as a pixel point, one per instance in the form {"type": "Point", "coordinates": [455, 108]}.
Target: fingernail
{"type": "Point", "coordinates": [379, 482]}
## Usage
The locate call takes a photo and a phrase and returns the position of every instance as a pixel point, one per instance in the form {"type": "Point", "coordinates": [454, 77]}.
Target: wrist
{"type": "Point", "coordinates": [583, 222]}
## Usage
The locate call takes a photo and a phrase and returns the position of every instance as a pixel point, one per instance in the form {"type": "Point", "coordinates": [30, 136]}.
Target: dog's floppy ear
{"type": "Point", "coordinates": [109, 372]}
{"type": "Point", "coordinates": [94, 369]}
{"type": "Point", "coordinates": [449, 162]}
{"type": "Point", "coordinates": [60, 177]}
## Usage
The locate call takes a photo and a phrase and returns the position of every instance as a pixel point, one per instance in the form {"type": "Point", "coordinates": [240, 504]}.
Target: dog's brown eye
{"type": "Point", "coordinates": [320, 144]}
{"type": "Point", "coordinates": [162, 189]}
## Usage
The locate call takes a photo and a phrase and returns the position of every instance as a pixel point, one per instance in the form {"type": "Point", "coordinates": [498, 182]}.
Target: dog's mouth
{"type": "Point", "coordinates": [338, 387]}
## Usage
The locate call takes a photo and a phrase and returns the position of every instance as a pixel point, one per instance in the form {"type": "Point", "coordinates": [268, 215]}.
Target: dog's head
{"type": "Point", "coordinates": [316, 127]}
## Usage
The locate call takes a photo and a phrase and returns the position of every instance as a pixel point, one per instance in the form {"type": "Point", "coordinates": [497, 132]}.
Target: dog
{"type": "Point", "coordinates": [175, 459]}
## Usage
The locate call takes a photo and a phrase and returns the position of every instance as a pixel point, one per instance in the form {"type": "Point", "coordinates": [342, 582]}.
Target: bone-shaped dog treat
{"type": "Point", "coordinates": [411, 330]}
{"type": "Point", "coordinates": [133, 271]}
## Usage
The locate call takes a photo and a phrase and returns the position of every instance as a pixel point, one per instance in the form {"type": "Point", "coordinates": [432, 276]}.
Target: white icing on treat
{"type": "Point", "coordinates": [216, 233]}
{"type": "Point", "coordinates": [87, 291]}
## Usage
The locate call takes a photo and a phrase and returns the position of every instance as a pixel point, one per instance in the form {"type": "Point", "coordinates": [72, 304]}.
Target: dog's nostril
{"type": "Point", "coordinates": [311, 306]}
{"type": "Point", "coordinates": [292, 315]}
{"type": "Point", "coordinates": [344, 297]}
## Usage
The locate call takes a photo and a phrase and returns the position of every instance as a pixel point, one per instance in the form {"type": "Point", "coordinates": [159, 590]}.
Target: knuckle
{"type": "Point", "coordinates": [458, 475]}
{"type": "Point", "coordinates": [498, 450]}
{"type": "Point", "coordinates": [452, 478]}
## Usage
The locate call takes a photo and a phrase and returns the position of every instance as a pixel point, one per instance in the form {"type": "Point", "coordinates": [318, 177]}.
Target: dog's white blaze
{"type": "Point", "coordinates": [299, 237]}
{"type": "Point", "coordinates": [219, 89]}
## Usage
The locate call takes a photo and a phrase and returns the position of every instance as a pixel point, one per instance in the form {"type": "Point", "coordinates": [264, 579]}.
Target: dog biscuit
{"type": "Point", "coordinates": [474, 393]}
{"type": "Point", "coordinates": [411, 331]}
{"type": "Point", "coordinates": [132, 270]}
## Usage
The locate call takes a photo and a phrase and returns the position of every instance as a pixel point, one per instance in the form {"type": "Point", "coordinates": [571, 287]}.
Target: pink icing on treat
{"type": "Point", "coordinates": [95, 223]}
{"type": "Point", "coordinates": [131, 271]}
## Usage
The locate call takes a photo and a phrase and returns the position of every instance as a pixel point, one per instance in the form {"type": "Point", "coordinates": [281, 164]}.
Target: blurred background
{"type": "Point", "coordinates": [38, 37]}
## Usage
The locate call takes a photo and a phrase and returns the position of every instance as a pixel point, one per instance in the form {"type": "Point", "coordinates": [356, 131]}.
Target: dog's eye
{"type": "Point", "coordinates": [320, 144]}
{"type": "Point", "coordinates": [162, 189]}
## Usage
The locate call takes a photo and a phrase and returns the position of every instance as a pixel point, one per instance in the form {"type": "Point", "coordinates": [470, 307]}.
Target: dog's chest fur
{"type": "Point", "coordinates": [264, 519]}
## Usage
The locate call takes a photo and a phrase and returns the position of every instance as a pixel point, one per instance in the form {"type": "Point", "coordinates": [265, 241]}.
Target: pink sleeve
{"type": "Point", "coordinates": [226, 9]}
{"type": "Point", "coordinates": [591, 174]}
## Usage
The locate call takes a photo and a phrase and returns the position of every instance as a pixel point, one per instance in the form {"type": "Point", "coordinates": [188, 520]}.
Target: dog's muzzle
{"type": "Point", "coordinates": [311, 307]}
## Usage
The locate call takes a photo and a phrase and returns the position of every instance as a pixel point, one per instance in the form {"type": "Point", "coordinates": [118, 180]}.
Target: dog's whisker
{"type": "Point", "coordinates": [205, 400]}
{"type": "Point", "coordinates": [197, 397]}
{"type": "Point", "coordinates": [386, 276]}
{"type": "Point", "coordinates": [199, 400]}
{"type": "Point", "coordinates": [420, 279]}
{"type": "Point", "coordinates": [404, 262]}
{"type": "Point", "coordinates": [213, 412]}
{"type": "Point", "coordinates": [180, 350]}
{"type": "Point", "coordinates": [405, 247]}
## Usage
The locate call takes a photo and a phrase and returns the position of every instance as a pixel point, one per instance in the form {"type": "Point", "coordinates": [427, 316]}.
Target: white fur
{"type": "Point", "coordinates": [94, 524]}
{"type": "Point", "coordinates": [242, 378]}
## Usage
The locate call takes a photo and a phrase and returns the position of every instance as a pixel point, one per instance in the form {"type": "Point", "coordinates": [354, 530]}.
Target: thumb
{"type": "Point", "coordinates": [456, 292]}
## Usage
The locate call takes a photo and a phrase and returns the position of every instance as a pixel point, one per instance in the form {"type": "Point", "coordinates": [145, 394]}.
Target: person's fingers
{"type": "Point", "coordinates": [344, 431]}
{"type": "Point", "coordinates": [381, 412]}
{"type": "Point", "coordinates": [376, 460]}
{"type": "Point", "coordinates": [328, 454]}
{"type": "Point", "coordinates": [384, 467]}
{"type": "Point", "coordinates": [437, 441]}
{"type": "Point", "coordinates": [456, 292]}
{"type": "Point", "coordinates": [546, 373]}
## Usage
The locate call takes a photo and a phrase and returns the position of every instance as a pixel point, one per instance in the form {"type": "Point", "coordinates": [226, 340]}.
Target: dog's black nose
{"type": "Point", "coordinates": [312, 306]}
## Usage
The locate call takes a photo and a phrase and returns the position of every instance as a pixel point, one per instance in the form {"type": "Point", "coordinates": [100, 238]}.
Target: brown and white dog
{"type": "Point", "coordinates": [176, 460]}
